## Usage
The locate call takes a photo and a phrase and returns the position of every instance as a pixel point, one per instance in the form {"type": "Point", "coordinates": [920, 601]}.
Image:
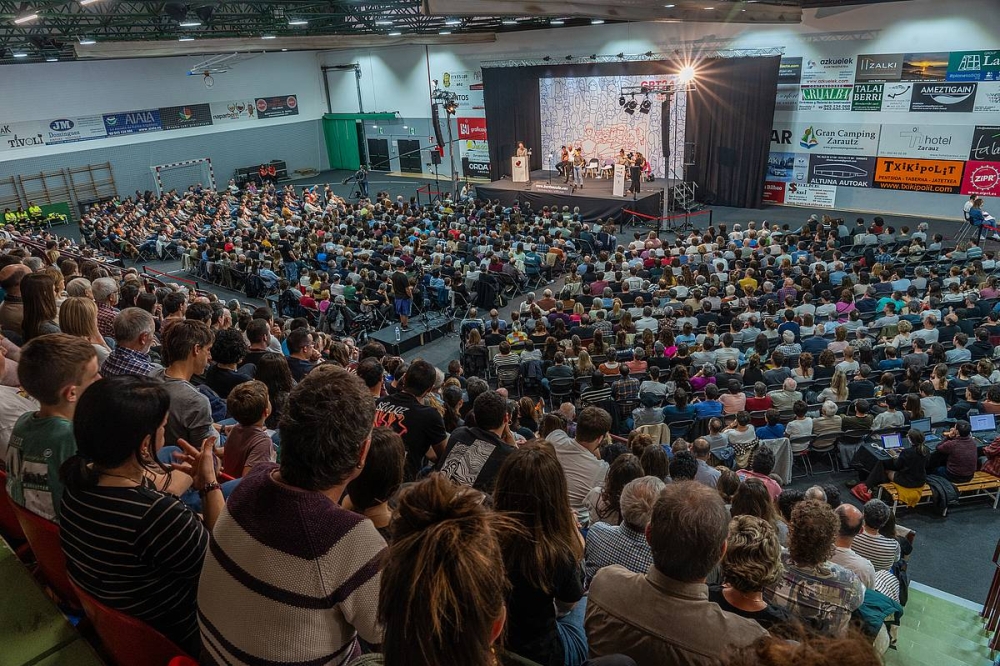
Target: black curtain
{"type": "Point", "coordinates": [729, 118]}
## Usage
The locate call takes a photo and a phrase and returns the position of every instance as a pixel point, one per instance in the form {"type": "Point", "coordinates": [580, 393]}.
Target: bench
{"type": "Point", "coordinates": [982, 484]}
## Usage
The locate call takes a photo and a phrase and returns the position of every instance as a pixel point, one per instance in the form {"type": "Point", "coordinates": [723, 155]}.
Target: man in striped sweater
{"type": "Point", "coordinates": [290, 576]}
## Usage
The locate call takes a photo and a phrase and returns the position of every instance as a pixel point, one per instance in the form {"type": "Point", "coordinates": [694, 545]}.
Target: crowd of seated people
{"type": "Point", "coordinates": [377, 510]}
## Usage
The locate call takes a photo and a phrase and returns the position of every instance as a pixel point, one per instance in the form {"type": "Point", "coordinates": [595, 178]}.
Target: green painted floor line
{"type": "Point", "coordinates": [939, 629]}
{"type": "Point", "coordinates": [944, 596]}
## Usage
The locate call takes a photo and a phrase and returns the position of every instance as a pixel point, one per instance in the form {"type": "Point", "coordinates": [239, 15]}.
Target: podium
{"type": "Point", "coordinates": [618, 188]}
{"type": "Point", "coordinates": [519, 169]}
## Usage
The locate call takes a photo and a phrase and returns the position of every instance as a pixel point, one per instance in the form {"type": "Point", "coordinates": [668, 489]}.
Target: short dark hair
{"type": "Point", "coordinates": [327, 418]}
{"type": "Point", "coordinates": [199, 312]}
{"type": "Point", "coordinates": [298, 340]}
{"type": "Point", "coordinates": [593, 422]}
{"type": "Point", "coordinates": [229, 346]}
{"type": "Point", "coordinates": [963, 428]}
{"type": "Point", "coordinates": [371, 372]}
{"type": "Point", "coordinates": [173, 302]}
{"type": "Point", "coordinates": [247, 402]}
{"type": "Point", "coordinates": [181, 337]}
{"type": "Point", "coordinates": [51, 362]}
{"type": "Point", "coordinates": [420, 377]}
{"type": "Point", "coordinates": [490, 408]}
{"type": "Point", "coordinates": [258, 330]}
{"type": "Point", "coordinates": [688, 531]}
{"type": "Point", "coordinates": [763, 461]}
{"type": "Point", "coordinates": [383, 471]}
{"type": "Point", "coordinates": [683, 467]}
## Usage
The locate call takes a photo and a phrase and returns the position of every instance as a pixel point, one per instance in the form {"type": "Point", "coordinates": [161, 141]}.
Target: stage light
{"type": "Point", "coordinates": [621, 100]}
{"type": "Point", "coordinates": [596, 21]}
{"type": "Point", "coordinates": [645, 106]}
{"type": "Point", "coordinates": [686, 75]}
{"type": "Point", "coordinates": [630, 107]}
{"type": "Point", "coordinates": [27, 18]}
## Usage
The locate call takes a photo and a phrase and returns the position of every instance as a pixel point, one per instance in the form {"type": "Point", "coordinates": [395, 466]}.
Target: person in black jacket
{"type": "Point", "coordinates": [907, 470]}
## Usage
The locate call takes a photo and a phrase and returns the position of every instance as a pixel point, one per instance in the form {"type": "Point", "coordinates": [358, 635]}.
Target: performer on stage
{"type": "Point", "coordinates": [622, 158]}
{"type": "Point", "coordinates": [635, 172]}
{"type": "Point", "coordinates": [564, 163]}
{"type": "Point", "coordinates": [578, 165]}
{"type": "Point", "coordinates": [521, 150]}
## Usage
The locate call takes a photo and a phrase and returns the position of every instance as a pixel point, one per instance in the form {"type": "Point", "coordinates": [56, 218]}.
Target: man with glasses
{"type": "Point", "coordinates": [300, 353]}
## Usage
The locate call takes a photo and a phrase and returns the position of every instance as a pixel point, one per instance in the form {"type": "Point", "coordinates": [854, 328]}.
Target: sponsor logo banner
{"type": "Point", "coordinates": [132, 122]}
{"type": "Point", "coordinates": [814, 196]}
{"type": "Point", "coordinates": [472, 128]}
{"type": "Point", "coordinates": [787, 167]}
{"type": "Point", "coordinates": [896, 97]}
{"type": "Point", "coordinates": [951, 97]}
{"type": "Point", "coordinates": [475, 168]}
{"type": "Point", "coordinates": [15, 136]}
{"type": "Point", "coordinates": [787, 98]}
{"type": "Point", "coordinates": [477, 151]}
{"type": "Point", "coordinates": [828, 70]}
{"type": "Point", "coordinates": [790, 71]}
{"type": "Point", "coordinates": [982, 178]}
{"type": "Point", "coordinates": [237, 110]}
{"type": "Point", "coordinates": [774, 192]}
{"type": "Point", "coordinates": [949, 142]}
{"type": "Point", "coordinates": [841, 170]}
{"type": "Point", "coordinates": [867, 97]}
{"type": "Point", "coordinates": [557, 188]}
{"type": "Point", "coordinates": [468, 86]}
{"type": "Point", "coordinates": [882, 67]}
{"type": "Point", "coordinates": [900, 173]}
{"type": "Point", "coordinates": [925, 66]}
{"type": "Point", "coordinates": [826, 138]}
{"type": "Point", "coordinates": [75, 128]}
{"type": "Point", "coordinates": [987, 98]}
{"type": "Point", "coordinates": [974, 66]}
{"type": "Point", "coordinates": [826, 98]}
{"type": "Point", "coordinates": [985, 143]}
{"type": "Point", "coordinates": [277, 107]}
{"type": "Point", "coordinates": [183, 117]}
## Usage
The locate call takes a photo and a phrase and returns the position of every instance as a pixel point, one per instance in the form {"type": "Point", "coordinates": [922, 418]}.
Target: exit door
{"type": "Point", "coordinates": [378, 154]}
{"type": "Point", "coordinates": [409, 156]}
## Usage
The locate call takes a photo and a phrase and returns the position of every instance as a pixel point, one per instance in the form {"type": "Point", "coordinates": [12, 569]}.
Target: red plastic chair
{"type": "Point", "coordinates": [9, 527]}
{"type": "Point", "coordinates": [43, 536]}
{"type": "Point", "coordinates": [127, 640]}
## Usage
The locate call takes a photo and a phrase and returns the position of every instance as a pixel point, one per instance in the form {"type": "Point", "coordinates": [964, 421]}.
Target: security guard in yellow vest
{"type": "Point", "coordinates": [21, 215]}
{"type": "Point", "coordinates": [34, 211]}
{"type": "Point", "coordinates": [9, 216]}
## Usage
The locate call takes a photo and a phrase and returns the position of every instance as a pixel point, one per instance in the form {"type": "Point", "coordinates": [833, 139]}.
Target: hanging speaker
{"type": "Point", "coordinates": [436, 121]}
{"type": "Point", "coordinates": [665, 127]}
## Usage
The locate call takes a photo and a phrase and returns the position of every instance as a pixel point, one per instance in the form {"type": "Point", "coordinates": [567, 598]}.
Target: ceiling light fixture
{"type": "Point", "coordinates": [185, 39]}
{"type": "Point", "coordinates": [453, 22]}
{"type": "Point", "coordinates": [50, 59]}
{"type": "Point", "coordinates": [20, 54]}
{"type": "Point", "coordinates": [87, 2]}
{"type": "Point", "coordinates": [383, 22]}
{"type": "Point", "coordinates": [395, 33]}
{"type": "Point", "coordinates": [27, 18]}
{"type": "Point", "coordinates": [557, 22]}
{"type": "Point", "coordinates": [298, 22]}
{"type": "Point", "coordinates": [87, 41]}
{"type": "Point", "coordinates": [669, 6]}
{"type": "Point", "coordinates": [509, 21]}
{"type": "Point", "coordinates": [189, 23]}
{"type": "Point", "coordinates": [267, 37]}
{"type": "Point", "coordinates": [596, 21]}
{"type": "Point", "coordinates": [445, 32]}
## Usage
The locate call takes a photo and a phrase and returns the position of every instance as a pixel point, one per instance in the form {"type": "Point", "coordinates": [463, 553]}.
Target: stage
{"type": "Point", "coordinates": [422, 331]}
{"type": "Point", "coordinates": [594, 200]}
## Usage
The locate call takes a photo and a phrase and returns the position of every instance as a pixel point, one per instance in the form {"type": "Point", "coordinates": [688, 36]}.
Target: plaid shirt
{"type": "Point", "coordinates": [616, 544]}
{"type": "Point", "coordinates": [625, 389]}
{"type": "Point", "coordinates": [106, 319]}
{"type": "Point", "coordinates": [124, 361]}
{"type": "Point", "coordinates": [822, 597]}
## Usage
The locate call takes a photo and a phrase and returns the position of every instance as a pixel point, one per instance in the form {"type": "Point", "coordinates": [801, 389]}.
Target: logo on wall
{"type": "Point", "coordinates": [987, 98]}
{"type": "Point", "coordinates": [841, 170]}
{"type": "Point", "coordinates": [277, 107]}
{"type": "Point", "coordinates": [790, 71]}
{"type": "Point", "coordinates": [925, 66]}
{"type": "Point", "coordinates": [985, 143]}
{"type": "Point", "coordinates": [827, 98]}
{"type": "Point", "coordinates": [942, 176]}
{"type": "Point", "coordinates": [982, 178]}
{"type": "Point", "coordinates": [948, 142]}
{"type": "Point", "coordinates": [951, 97]}
{"type": "Point", "coordinates": [132, 122]}
{"type": "Point", "coordinates": [79, 128]}
{"type": "Point", "coordinates": [867, 97]}
{"type": "Point", "coordinates": [974, 66]}
{"type": "Point", "coordinates": [879, 67]}
{"type": "Point", "coordinates": [472, 128]}
{"type": "Point", "coordinates": [809, 140]}
{"type": "Point", "coordinates": [185, 117]}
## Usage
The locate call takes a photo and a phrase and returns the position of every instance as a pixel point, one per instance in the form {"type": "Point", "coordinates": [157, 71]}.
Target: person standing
{"type": "Point", "coordinates": [578, 164]}
{"type": "Point", "coordinates": [564, 163]}
{"type": "Point", "coordinates": [635, 172]}
{"type": "Point", "coordinates": [403, 293]}
{"type": "Point", "coordinates": [361, 178]}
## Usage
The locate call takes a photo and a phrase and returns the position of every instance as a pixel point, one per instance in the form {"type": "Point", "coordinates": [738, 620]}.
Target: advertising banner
{"type": "Point", "coordinates": [475, 169]}
{"type": "Point", "coordinates": [974, 66]}
{"type": "Point", "coordinates": [477, 151]}
{"type": "Point", "coordinates": [787, 167]}
{"type": "Point", "coordinates": [987, 98]}
{"type": "Point", "coordinates": [787, 98]}
{"type": "Point", "coordinates": [237, 110]}
{"type": "Point", "coordinates": [900, 173]}
{"type": "Point", "coordinates": [826, 138]}
{"type": "Point", "coordinates": [841, 170]}
{"type": "Point", "coordinates": [774, 192]}
{"type": "Point", "coordinates": [75, 128]}
{"type": "Point", "coordinates": [982, 178]}
{"type": "Point", "coordinates": [985, 143]}
{"type": "Point", "coordinates": [896, 97]}
{"type": "Point", "coordinates": [948, 97]}
{"type": "Point", "coordinates": [881, 67]}
{"type": "Point", "coordinates": [925, 66]}
{"type": "Point", "coordinates": [277, 107]}
{"type": "Point", "coordinates": [948, 142]}
{"type": "Point", "coordinates": [790, 71]}
{"type": "Point", "coordinates": [867, 97]}
{"type": "Point", "coordinates": [814, 196]}
{"type": "Point", "coordinates": [132, 122]}
{"type": "Point", "coordinates": [183, 117]}
{"type": "Point", "coordinates": [468, 86]}
{"type": "Point", "coordinates": [826, 98]}
{"type": "Point", "coordinates": [14, 136]}
{"type": "Point", "coordinates": [472, 128]}
{"type": "Point", "coordinates": [828, 71]}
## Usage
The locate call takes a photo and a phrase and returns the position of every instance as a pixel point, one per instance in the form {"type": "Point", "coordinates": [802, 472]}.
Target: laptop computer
{"type": "Point", "coordinates": [892, 442]}
{"type": "Point", "coordinates": [924, 426]}
{"type": "Point", "coordinates": [983, 423]}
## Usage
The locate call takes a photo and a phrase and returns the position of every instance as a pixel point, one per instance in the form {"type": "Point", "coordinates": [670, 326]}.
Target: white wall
{"type": "Point", "coordinates": [45, 91]}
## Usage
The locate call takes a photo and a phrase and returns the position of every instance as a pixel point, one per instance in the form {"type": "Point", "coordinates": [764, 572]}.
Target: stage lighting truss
{"type": "Point", "coordinates": [630, 106]}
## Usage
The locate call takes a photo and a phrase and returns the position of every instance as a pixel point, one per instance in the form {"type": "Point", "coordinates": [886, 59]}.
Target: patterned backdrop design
{"type": "Point", "coordinates": [584, 112]}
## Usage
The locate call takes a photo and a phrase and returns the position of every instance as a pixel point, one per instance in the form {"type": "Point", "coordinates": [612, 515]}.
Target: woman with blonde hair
{"type": "Point", "coordinates": [78, 317]}
{"type": "Point", "coordinates": [584, 366]}
{"type": "Point", "coordinates": [38, 298]}
{"type": "Point", "coordinates": [902, 337]}
{"type": "Point", "coordinates": [837, 391]}
{"type": "Point", "coordinates": [751, 562]}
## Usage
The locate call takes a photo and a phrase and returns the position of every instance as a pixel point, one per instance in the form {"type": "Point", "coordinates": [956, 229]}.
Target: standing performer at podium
{"type": "Point", "coordinates": [635, 171]}
{"type": "Point", "coordinates": [521, 151]}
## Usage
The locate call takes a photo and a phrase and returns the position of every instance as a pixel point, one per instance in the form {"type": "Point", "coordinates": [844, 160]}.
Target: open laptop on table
{"type": "Point", "coordinates": [983, 426]}
{"type": "Point", "coordinates": [924, 426]}
{"type": "Point", "coordinates": [892, 443]}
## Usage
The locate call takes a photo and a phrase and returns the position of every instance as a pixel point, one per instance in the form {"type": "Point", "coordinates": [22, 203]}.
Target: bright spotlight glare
{"type": "Point", "coordinates": [686, 75]}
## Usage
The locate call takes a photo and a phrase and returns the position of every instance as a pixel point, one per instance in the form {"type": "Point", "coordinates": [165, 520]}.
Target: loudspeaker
{"type": "Point", "coordinates": [665, 127]}
{"type": "Point", "coordinates": [435, 156]}
{"type": "Point", "coordinates": [436, 121]}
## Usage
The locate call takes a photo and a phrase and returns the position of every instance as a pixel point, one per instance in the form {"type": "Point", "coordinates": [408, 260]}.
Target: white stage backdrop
{"type": "Point", "coordinates": [584, 111]}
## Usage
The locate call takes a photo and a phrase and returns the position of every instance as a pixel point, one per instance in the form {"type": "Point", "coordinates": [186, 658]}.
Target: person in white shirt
{"type": "Point", "coordinates": [801, 425]}
{"type": "Point", "coordinates": [583, 469]}
{"type": "Point", "coordinates": [891, 417]}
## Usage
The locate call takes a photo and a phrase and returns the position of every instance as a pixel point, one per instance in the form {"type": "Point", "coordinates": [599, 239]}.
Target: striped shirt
{"type": "Point", "coordinates": [290, 578]}
{"type": "Point", "coordinates": [139, 551]}
{"type": "Point", "coordinates": [881, 551]}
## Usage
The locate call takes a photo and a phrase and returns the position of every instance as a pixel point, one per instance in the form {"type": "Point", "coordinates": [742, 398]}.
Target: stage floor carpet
{"type": "Point", "coordinates": [594, 199]}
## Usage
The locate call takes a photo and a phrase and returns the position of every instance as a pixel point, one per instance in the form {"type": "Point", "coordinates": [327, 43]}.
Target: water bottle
{"type": "Point", "coordinates": [397, 333]}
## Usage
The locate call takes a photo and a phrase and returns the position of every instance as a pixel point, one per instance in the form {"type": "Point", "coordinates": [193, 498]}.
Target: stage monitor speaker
{"type": "Point", "coordinates": [435, 156]}
{"type": "Point", "coordinates": [665, 127]}
{"type": "Point", "coordinates": [436, 121]}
